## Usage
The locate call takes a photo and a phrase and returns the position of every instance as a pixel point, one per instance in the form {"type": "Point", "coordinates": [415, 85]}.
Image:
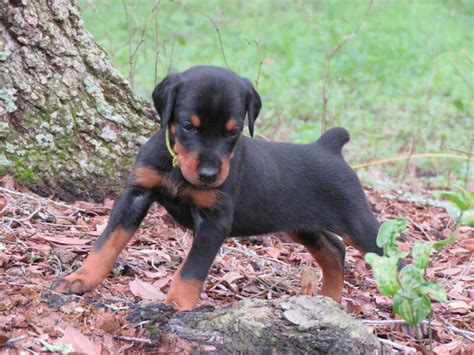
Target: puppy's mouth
{"type": "Point", "coordinates": [196, 179]}
{"type": "Point", "coordinates": [199, 175]}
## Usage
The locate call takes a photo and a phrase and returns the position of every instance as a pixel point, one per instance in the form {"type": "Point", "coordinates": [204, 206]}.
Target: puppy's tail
{"type": "Point", "coordinates": [334, 139]}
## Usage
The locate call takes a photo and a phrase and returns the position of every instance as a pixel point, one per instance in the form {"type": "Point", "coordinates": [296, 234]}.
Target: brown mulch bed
{"type": "Point", "coordinates": [41, 238]}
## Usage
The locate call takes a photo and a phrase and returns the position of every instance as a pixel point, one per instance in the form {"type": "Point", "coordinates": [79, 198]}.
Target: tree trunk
{"type": "Point", "coordinates": [70, 124]}
{"type": "Point", "coordinates": [289, 325]}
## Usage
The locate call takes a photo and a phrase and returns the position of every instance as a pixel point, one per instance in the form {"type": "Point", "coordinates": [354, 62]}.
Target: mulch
{"type": "Point", "coordinates": [43, 238]}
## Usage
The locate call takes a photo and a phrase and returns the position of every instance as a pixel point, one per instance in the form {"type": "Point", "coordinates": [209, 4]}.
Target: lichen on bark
{"type": "Point", "coordinates": [299, 325]}
{"type": "Point", "coordinates": [69, 123]}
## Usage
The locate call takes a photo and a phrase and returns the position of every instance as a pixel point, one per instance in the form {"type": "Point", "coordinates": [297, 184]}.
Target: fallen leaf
{"type": "Point", "coordinates": [84, 205]}
{"type": "Point", "coordinates": [162, 282]}
{"type": "Point", "coordinates": [81, 343]}
{"type": "Point", "coordinates": [8, 182]}
{"type": "Point", "coordinates": [468, 244]}
{"type": "Point", "coordinates": [67, 240]}
{"type": "Point", "coordinates": [231, 277]}
{"type": "Point", "coordinates": [460, 307]}
{"type": "Point", "coordinates": [446, 348]}
{"type": "Point", "coordinates": [273, 252]}
{"type": "Point", "coordinates": [146, 291]}
{"type": "Point", "coordinates": [108, 203]}
{"type": "Point", "coordinates": [3, 339]}
{"type": "Point", "coordinates": [309, 279]}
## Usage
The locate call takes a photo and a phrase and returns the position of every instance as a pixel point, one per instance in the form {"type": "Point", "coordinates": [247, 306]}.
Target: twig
{"type": "Point", "coordinates": [422, 230]}
{"type": "Point", "coordinates": [382, 322]}
{"type": "Point", "coordinates": [214, 24]}
{"type": "Point", "coordinates": [134, 339]}
{"type": "Point", "coordinates": [36, 198]}
{"type": "Point", "coordinates": [13, 340]}
{"type": "Point", "coordinates": [327, 71]}
{"type": "Point", "coordinates": [397, 346]}
{"type": "Point", "coordinates": [404, 157]}
{"type": "Point", "coordinates": [254, 255]}
{"type": "Point", "coordinates": [132, 61]}
{"type": "Point", "coordinates": [465, 333]}
{"type": "Point", "coordinates": [25, 219]}
{"type": "Point", "coordinates": [468, 165]}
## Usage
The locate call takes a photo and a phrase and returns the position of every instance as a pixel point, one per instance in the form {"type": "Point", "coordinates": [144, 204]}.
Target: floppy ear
{"type": "Point", "coordinates": [253, 104]}
{"type": "Point", "coordinates": [163, 97]}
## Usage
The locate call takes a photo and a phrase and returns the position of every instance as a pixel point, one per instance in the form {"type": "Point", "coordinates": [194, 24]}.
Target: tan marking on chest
{"type": "Point", "coordinates": [201, 198]}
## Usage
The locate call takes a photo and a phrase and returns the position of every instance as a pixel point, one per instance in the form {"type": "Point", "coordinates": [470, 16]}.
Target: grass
{"type": "Point", "coordinates": [406, 77]}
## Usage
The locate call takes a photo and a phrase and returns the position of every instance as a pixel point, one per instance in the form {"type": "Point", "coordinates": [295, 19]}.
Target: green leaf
{"type": "Point", "coordinates": [385, 273]}
{"type": "Point", "coordinates": [411, 278]}
{"type": "Point", "coordinates": [412, 308]}
{"type": "Point", "coordinates": [458, 104]}
{"type": "Point", "coordinates": [455, 198]}
{"type": "Point", "coordinates": [441, 243]}
{"type": "Point", "coordinates": [387, 234]}
{"type": "Point", "coordinates": [467, 218]}
{"type": "Point", "coordinates": [468, 196]}
{"type": "Point", "coordinates": [453, 211]}
{"type": "Point", "coordinates": [435, 290]}
{"type": "Point", "coordinates": [421, 251]}
{"type": "Point", "coordinates": [57, 348]}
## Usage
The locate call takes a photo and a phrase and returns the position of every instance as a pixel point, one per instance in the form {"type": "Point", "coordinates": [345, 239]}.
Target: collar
{"type": "Point", "coordinates": [170, 149]}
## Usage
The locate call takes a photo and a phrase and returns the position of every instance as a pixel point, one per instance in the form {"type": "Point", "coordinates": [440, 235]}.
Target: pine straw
{"type": "Point", "coordinates": [41, 239]}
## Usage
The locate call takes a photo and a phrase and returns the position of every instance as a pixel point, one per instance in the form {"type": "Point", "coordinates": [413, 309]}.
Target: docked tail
{"type": "Point", "coordinates": [334, 139]}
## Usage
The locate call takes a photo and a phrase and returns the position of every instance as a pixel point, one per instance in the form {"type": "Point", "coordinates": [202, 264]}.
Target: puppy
{"type": "Point", "coordinates": [219, 183]}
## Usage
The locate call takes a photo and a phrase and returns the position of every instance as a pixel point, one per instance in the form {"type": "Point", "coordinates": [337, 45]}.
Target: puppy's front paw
{"type": "Point", "coordinates": [76, 283]}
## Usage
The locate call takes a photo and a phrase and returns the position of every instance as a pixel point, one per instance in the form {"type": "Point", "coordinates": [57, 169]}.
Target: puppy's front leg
{"type": "Point", "coordinates": [127, 214]}
{"type": "Point", "coordinates": [210, 230]}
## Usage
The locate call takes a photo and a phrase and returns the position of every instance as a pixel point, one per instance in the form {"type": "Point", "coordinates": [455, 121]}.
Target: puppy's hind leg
{"type": "Point", "coordinates": [329, 252]}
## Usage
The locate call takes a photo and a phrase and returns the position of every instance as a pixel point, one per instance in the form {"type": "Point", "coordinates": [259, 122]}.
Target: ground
{"type": "Point", "coordinates": [41, 239]}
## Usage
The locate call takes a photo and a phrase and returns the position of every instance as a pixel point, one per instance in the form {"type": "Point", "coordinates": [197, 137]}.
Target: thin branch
{"type": "Point", "coordinates": [327, 71]}
{"type": "Point", "coordinates": [132, 60]}
{"type": "Point", "coordinates": [133, 339]}
{"type": "Point", "coordinates": [468, 165]}
{"type": "Point", "coordinates": [214, 24]}
{"type": "Point", "coordinates": [407, 349]}
{"type": "Point", "coordinates": [405, 157]}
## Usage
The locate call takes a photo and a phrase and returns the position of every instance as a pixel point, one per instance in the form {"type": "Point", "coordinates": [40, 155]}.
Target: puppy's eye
{"type": "Point", "coordinates": [188, 127]}
{"type": "Point", "coordinates": [232, 133]}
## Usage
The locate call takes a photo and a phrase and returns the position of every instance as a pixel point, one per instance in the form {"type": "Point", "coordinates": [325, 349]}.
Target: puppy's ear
{"type": "Point", "coordinates": [253, 104]}
{"type": "Point", "coordinates": [164, 97]}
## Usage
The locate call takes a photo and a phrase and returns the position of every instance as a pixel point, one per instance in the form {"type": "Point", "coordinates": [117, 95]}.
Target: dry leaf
{"type": "Point", "coordinates": [67, 240]}
{"type": "Point", "coordinates": [162, 282]}
{"type": "Point", "coordinates": [3, 339]}
{"type": "Point", "coordinates": [460, 307]}
{"type": "Point", "coordinates": [273, 252]}
{"type": "Point", "coordinates": [446, 348]}
{"type": "Point", "coordinates": [8, 182]}
{"type": "Point", "coordinates": [146, 291]}
{"type": "Point", "coordinates": [309, 279]}
{"type": "Point", "coordinates": [81, 343]}
{"type": "Point", "coordinates": [469, 244]}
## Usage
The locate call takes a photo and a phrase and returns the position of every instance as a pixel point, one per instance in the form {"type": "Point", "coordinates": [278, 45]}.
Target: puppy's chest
{"type": "Point", "coordinates": [153, 179]}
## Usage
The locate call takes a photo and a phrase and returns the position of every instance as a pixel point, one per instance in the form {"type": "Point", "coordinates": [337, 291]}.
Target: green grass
{"type": "Point", "coordinates": [408, 71]}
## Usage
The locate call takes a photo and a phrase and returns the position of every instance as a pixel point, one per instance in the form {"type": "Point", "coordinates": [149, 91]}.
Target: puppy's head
{"type": "Point", "coordinates": [204, 108]}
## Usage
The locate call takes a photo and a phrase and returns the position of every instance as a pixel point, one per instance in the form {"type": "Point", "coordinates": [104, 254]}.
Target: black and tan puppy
{"type": "Point", "coordinates": [218, 183]}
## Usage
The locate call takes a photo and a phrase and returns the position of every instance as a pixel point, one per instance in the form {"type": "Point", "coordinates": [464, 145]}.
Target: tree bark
{"type": "Point", "coordinates": [289, 325]}
{"type": "Point", "coordinates": [70, 124]}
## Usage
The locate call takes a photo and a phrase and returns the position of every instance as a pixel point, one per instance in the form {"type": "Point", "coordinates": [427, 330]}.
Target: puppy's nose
{"type": "Point", "coordinates": [208, 174]}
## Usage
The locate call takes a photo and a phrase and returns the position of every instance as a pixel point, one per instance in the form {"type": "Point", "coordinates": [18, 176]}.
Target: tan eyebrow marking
{"type": "Point", "coordinates": [196, 121]}
{"type": "Point", "coordinates": [230, 125]}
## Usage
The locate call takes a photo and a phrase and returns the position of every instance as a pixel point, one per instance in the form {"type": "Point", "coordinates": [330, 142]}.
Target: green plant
{"type": "Point", "coordinates": [409, 287]}
{"type": "Point", "coordinates": [460, 206]}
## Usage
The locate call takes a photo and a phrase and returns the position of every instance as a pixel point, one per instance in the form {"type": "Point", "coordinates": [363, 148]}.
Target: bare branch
{"type": "Point", "coordinates": [214, 24]}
